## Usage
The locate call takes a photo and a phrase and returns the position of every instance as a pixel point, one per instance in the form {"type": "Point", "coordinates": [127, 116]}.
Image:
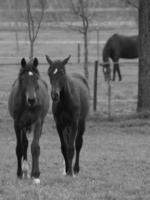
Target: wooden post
{"type": "Point", "coordinates": [78, 52]}
{"type": "Point", "coordinates": [109, 99]}
{"type": "Point", "coordinates": [95, 85]}
{"type": "Point", "coordinates": [98, 48]}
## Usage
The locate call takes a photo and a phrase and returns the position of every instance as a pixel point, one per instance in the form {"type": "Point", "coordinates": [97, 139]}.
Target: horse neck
{"type": "Point", "coordinates": [66, 91]}
{"type": "Point", "coordinates": [105, 54]}
{"type": "Point", "coordinates": [21, 95]}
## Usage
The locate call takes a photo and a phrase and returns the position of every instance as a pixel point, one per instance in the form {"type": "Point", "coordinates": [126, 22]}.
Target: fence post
{"type": "Point", "coordinates": [95, 85]}
{"type": "Point", "coordinates": [78, 52]}
{"type": "Point", "coordinates": [98, 46]}
{"type": "Point", "coordinates": [109, 99]}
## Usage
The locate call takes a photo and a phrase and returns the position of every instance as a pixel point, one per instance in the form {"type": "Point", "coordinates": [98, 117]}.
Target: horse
{"type": "Point", "coordinates": [28, 105]}
{"type": "Point", "coordinates": [70, 107]}
{"type": "Point", "coordinates": [118, 46]}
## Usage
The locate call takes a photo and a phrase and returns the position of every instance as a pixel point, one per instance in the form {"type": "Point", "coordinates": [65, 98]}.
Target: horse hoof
{"type": "Point", "coordinates": [19, 176]}
{"type": "Point", "coordinates": [25, 169]}
{"type": "Point", "coordinates": [36, 181]}
{"type": "Point", "coordinates": [70, 174]}
{"type": "Point", "coordinates": [64, 172]}
{"type": "Point", "coordinates": [74, 175]}
{"type": "Point", "coordinates": [76, 170]}
{"type": "Point", "coordinates": [26, 175]}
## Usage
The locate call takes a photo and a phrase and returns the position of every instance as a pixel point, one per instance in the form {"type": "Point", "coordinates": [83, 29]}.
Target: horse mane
{"type": "Point", "coordinates": [56, 62]}
{"type": "Point", "coordinates": [106, 52]}
{"type": "Point", "coordinates": [107, 47]}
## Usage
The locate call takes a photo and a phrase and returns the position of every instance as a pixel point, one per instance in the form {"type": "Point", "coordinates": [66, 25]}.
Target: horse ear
{"type": "Point", "coordinates": [65, 61]}
{"type": "Point", "coordinates": [35, 62]}
{"type": "Point", "coordinates": [23, 62]}
{"type": "Point", "coordinates": [48, 60]}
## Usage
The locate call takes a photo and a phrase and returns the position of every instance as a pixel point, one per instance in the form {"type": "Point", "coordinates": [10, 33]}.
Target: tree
{"type": "Point", "coordinates": [34, 23]}
{"type": "Point", "coordinates": [133, 3]}
{"type": "Point", "coordinates": [144, 56]}
{"type": "Point", "coordinates": [83, 9]}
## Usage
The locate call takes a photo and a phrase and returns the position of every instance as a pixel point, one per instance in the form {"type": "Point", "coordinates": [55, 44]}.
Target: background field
{"type": "Point", "coordinates": [115, 156]}
{"type": "Point", "coordinates": [59, 44]}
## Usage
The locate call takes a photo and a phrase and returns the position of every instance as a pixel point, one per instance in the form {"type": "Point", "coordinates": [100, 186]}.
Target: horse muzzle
{"type": "Point", "coordinates": [31, 101]}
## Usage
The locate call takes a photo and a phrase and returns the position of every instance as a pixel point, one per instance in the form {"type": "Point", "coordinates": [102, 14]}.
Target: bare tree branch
{"type": "Point", "coordinates": [28, 19]}
{"type": "Point", "coordinates": [82, 12]}
{"type": "Point", "coordinates": [41, 18]}
{"type": "Point", "coordinates": [76, 28]}
{"type": "Point", "coordinates": [133, 3]}
{"type": "Point", "coordinates": [75, 8]}
{"type": "Point", "coordinates": [33, 23]}
{"type": "Point", "coordinates": [81, 9]}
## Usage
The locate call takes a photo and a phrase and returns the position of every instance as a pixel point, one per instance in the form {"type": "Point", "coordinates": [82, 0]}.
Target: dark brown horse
{"type": "Point", "coordinates": [118, 46]}
{"type": "Point", "coordinates": [28, 105]}
{"type": "Point", "coordinates": [70, 106]}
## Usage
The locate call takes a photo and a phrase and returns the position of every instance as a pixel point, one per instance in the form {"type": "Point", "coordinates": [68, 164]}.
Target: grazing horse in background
{"type": "Point", "coordinates": [28, 105]}
{"type": "Point", "coordinates": [70, 106]}
{"type": "Point", "coordinates": [118, 46]}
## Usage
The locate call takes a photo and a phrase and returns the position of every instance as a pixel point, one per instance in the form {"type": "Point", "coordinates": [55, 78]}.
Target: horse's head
{"type": "Point", "coordinates": [28, 79]}
{"type": "Point", "coordinates": [57, 74]}
{"type": "Point", "coordinates": [106, 71]}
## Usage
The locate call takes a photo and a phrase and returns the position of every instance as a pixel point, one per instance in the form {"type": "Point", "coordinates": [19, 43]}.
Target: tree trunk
{"type": "Point", "coordinates": [31, 49]}
{"type": "Point", "coordinates": [144, 56]}
{"type": "Point", "coordinates": [86, 55]}
{"type": "Point", "coordinates": [16, 29]}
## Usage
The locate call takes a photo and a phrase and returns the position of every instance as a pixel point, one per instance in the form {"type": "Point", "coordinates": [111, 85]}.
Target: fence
{"type": "Point", "coordinates": [116, 96]}
{"type": "Point", "coordinates": [54, 48]}
{"type": "Point", "coordinates": [108, 98]}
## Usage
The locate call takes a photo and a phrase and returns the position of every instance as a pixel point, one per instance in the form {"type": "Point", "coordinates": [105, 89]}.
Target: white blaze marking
{"type": "Point", "coordinates": [36, 181]}
{"type": "Point", "coordinates": [105, 70]}
{"type": "Point", "coordinates": [30, 73]}
{"type": "Point", "coordinates": [64, 168]}
{"type": "Point", "coordinates": [55, 71]}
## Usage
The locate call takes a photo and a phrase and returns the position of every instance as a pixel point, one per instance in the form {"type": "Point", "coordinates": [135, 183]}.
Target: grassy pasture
{"type": "Point", "coordinates": [115, 156]}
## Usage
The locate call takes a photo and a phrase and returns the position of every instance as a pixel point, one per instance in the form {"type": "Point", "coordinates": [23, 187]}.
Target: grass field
{"type": "Point", "coordinates": [115, 156]}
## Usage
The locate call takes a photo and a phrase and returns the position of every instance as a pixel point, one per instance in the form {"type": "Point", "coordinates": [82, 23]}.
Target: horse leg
{"type": "Point", "coordinates": [25, 165]}
{"type": "Point", "coordinates": [114, 71]}
{"type": "Point", "coordinates": [63, 147]}
{"type": "Point", "coordinates": [70, 147]}
{"type": "Point", "coordinates": [19, 149]}
{"type": "Point", "coordinates": [78, 144]}
{"type": "Point", "coordinates": [118, 71]}
{"type": "Point", "coordinates": [35, 151]}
